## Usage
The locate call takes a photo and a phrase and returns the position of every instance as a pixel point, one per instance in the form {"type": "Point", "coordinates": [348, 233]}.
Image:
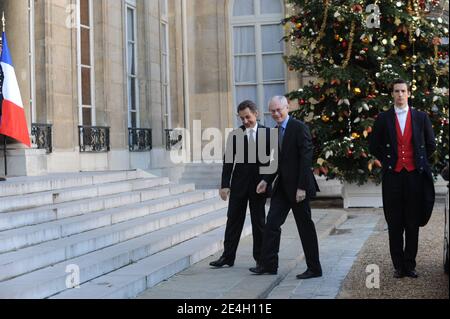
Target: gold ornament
{"type": "Point", "coordinates": [357, 91]}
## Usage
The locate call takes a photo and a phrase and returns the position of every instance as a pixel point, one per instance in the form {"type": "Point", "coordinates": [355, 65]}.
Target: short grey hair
{"type": "Point", "coordinates": [279, 99]}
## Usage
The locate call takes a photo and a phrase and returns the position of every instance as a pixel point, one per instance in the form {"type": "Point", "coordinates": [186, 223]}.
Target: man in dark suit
{"type": "Point", "coordinates": [240, 175]}
{"type": "Point", "coordinates": [293, 188]}
{"type": "Point", "coordinates": [403, 140]}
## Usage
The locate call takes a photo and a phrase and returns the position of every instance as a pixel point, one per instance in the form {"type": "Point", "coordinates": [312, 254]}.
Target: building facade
{"type": "Point", "coordinates": [105, 82]}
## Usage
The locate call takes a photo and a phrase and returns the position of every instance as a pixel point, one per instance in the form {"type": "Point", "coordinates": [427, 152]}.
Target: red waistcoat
{"type": "Point", "coordinates": [405, 147]}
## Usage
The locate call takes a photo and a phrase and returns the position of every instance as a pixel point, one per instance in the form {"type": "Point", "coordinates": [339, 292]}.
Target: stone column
{"type": "Point", "coordinates": [21, 160]}
{"type": "Point", "coordinates": [17, 31]}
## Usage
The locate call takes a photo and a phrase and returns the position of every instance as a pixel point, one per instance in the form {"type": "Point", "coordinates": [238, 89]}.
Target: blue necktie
{"type": "Point", "coordinates": [280, 135]}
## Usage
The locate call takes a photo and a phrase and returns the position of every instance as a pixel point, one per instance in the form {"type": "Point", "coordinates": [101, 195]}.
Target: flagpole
{"type": "Point", "coordinates": [4, 137]}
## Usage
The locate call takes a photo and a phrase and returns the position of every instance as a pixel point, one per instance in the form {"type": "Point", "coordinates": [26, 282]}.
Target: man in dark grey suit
{"type": "Point", "coordinates": [240, 175]}
{"type": "Point", "coordinates": [294, 186]}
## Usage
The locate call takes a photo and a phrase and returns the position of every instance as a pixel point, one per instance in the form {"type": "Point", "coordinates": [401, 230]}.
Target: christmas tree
{"type": "Point", "coordinates": [355, 49]}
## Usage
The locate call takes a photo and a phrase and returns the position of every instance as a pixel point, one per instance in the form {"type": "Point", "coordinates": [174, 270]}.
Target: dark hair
{"type": "Point", "coordinates": [247, 104]}
{"type": "Point", "coordinates": [399, 81]}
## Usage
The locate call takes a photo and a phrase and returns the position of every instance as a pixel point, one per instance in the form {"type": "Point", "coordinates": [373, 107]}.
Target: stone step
{"type": "Point", "coordinates": [32, 235]}
{"type": "Point", "coordinates": [128, 224]}
{"type": "Point", "coordinates": [57, 196]}
{"type": "Point", "coordinates": [203, 167]}
{"type": "Point", "coordinates": [34, 184]}
{"type": "Point", "coordinates": [202, 183]}
{"type": "Point", "coordinates": [52, 280]}
{"type": "Point", "coordinates": [130, 281]}
{"type": "Point", "coordinates": [32, 216]}
{"type": "Point", "coordinates": [203, 177]}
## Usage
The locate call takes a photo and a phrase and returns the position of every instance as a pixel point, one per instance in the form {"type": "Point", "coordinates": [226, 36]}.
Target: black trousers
{"type": "Point", "coordinates": [402, 201]}
{"type": "Point", "coordinates": [237, 209]}
{"type": "Point", "coordinates": [279, 209]}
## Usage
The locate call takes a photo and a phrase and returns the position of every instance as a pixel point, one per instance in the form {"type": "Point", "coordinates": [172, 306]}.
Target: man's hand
{"type": "Point", "coordinates": [261, 188]}
{"type": "Point", "coordinates": [301, 195]}
{"type": "Point", "coordinates": [224, 192]}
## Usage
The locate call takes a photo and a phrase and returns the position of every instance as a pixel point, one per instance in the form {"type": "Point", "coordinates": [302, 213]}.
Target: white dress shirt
{"type": "Point", "coordinates": [402, 114]}
{"type": "Point", "coordinates": [253, 133]}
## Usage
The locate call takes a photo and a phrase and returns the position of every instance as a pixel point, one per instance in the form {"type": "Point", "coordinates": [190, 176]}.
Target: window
{"type": "Point", "coordinates": [85, 63]}
{"type": "Point", "coordinates": [259, 71]}
{"type": "Point", "coordinates": [165, 69]}
{"type": "Point", "coordinates": [131, 52]}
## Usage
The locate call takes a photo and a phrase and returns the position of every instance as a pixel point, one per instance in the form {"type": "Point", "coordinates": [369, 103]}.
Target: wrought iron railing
{"type": "Point", "coordinates": [174, 139]}
{"type": "Point", "coordinates": [41, 136]}
{"type": "Point", "coordinates": [139, 139]}
{"type": "Point", "coordinates": [94, 139]}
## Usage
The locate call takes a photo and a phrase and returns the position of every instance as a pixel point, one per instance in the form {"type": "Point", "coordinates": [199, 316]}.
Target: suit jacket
{"type": "Point", "coordinates": [383, 145]}
{"type": "Point", "coordinates": [237, 175]}
{"type": "Point", "coordinates": [295, 162]}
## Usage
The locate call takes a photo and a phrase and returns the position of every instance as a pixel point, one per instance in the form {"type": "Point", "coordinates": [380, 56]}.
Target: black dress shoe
{"type": "Point", "coordinates": [399, 274]}
{"type": "Point", "coordinates": [259, 270]}
{"type": "Point", "coordinates": [309, 274]}
{"type": "Point", "coordinates": [411, 274]}
{"type": "Point", "coordinates": [222, 261]}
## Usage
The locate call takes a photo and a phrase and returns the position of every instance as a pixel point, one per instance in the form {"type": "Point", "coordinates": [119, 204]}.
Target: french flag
{"type": "Point", "coordinates": [12, 122]}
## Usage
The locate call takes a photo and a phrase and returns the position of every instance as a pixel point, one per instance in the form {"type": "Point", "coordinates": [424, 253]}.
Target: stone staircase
{"type": "Point", "coordinates": [208, 176]}
{"type": "Point", "coordinates": [113, 233]}
{"type": "Point", "coordinates": [204, 176]}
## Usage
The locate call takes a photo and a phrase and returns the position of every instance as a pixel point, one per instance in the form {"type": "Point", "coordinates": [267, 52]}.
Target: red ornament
{"type": "Point", "coordinates": [357, 8]}
{"type": "Point", "coordinates": [349, 153]}
{"type": "Point", "coordinates": [335, 81]}
{"type": "Point", "coordinates": [302, 102]}
{"type": "Point", "coordinates": [344, 44]}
